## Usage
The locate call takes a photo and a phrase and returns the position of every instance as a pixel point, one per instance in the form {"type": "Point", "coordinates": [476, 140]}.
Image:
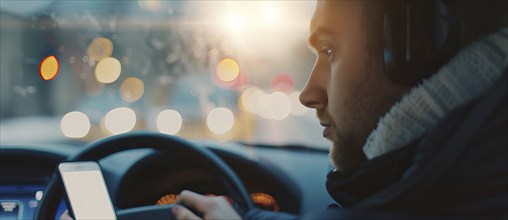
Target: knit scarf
{"type": "Point", "coordinates": [469, 74]}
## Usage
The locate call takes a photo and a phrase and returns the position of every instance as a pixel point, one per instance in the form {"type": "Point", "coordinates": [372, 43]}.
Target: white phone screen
{"type": "Point", "coordinates": [87, 193]}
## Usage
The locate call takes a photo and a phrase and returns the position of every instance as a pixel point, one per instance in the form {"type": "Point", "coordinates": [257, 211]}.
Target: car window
{"type": "Point", "coordinates": [220, 70]}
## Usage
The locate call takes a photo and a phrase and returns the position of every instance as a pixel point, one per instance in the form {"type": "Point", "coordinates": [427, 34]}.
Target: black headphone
{"type": "Point", "coordinates": [418, 38]}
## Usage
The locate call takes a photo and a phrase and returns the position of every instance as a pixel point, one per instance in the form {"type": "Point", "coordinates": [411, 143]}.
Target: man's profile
{"type": "Point", "coordinates": [415, 109]}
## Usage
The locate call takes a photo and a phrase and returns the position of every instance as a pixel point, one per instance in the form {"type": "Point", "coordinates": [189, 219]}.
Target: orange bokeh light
{"type": "Point", "coordinates": [49, 68]}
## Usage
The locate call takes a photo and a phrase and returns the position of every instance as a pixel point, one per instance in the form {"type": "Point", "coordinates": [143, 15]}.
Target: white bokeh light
{"type": "Point", "coordinates": [297, 107]}
{"type": "Point", "coordinates": [169, 121]}
{"type": "Point", "coordinates": [220, 120]}
{"type": "Point", "coordinates": [263, 105]}
{"type": "Point", "coordinates": [108, 70]}
{"type": "Point", "coordinates": [120, 120]}
{"type": "Point", "coordinates": [75, 124]}
{"type": "Point", "coordinates": [250, 99]}
{"type": "Point", "coordinates": [279, 106]}
{"type": "Point", "coordinates": [38, 195]}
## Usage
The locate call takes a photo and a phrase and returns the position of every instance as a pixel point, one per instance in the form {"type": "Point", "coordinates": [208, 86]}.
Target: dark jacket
{"type": "Point", "coordinates": [459, 168]}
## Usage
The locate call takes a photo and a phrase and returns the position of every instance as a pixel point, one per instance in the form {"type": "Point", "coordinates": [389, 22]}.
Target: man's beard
{"type": "Point", "coordinates": [346, 151]}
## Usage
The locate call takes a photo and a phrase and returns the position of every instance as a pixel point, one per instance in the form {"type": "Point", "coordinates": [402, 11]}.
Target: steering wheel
{"type": "Point", "coordinates": [162, 142]}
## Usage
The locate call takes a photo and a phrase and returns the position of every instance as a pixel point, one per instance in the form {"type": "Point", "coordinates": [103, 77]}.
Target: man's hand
{"type": "Point", "coordinates": [216, 207]}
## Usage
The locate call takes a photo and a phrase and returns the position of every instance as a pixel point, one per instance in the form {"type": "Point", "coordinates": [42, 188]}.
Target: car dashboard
{"type": "Point", "coordinates": [287, 179]}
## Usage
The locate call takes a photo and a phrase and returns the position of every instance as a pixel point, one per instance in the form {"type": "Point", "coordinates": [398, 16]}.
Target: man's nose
{"type": "Point", "coordinates": [314, 92]}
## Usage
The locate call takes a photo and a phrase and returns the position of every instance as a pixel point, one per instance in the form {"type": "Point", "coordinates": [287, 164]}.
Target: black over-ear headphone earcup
{"type": "Point", "coordinates": [418, 37]}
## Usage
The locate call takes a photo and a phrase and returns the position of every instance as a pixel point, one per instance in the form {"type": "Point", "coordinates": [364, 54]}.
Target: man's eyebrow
{"type": "Point", "coordinates": [315, 35]}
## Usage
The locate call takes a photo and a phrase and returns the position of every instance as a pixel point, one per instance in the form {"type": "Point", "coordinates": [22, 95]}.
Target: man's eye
{"type": "Point", "coordinates": [328, 53]}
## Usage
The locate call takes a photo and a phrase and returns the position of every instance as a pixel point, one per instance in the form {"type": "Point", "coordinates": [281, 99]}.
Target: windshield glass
{"type": "Point", "coordinates": [84, 70]}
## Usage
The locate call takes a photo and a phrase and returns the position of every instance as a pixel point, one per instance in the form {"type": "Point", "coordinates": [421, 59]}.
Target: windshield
{"type": "Point", "coordinates": [227, 71]}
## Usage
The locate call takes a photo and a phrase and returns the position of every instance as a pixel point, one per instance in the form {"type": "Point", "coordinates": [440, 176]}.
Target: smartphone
{"type": "Point", "coordinates": [86, 192]}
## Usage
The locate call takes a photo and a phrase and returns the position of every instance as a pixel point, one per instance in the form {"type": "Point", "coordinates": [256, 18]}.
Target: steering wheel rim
{"type": "Point", "coordinates": [133, 140]}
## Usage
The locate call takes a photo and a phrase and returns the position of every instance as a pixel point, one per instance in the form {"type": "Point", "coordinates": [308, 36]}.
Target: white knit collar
{"type": "Point", "coordinates": [465, 77]}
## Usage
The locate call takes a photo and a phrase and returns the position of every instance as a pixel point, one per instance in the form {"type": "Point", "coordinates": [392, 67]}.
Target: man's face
{"type": "Point", "coordinates": [347, 86]}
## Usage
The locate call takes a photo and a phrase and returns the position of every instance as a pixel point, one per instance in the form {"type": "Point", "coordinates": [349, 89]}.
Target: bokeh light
{"type": "Point", "coordinates": [38, 195]}
{"type": "Point", "coordinates": [132, 89]}
{"type": "Point", "coordinates": [108, 70]}
{"type": "Point", "coordinates": [296, 106]}
{"type": "Point", "coordinates": [279, 105]}
{"type": "Point", "coordinates": [263, 105]}
{"type": "Point", "coordinates": [49, 68]}
{"type": "Point", "coordinates": [169, 121]}
{"type": "Point", "coordinates": [120, 120]}
{"type": "Point", "coordinates": [150, 5]}
{"type": "Point", "coordinates": [282, 82]}
{"type": "Point", "coordinates": [220, 120]}
{"type": "Point", "coordinates": [249, 99]}
{"type": "Point", "coordinates": [75, 124]}
{"type": "Point", "coordinates": [227, 70]}
{"type": "Point", "coordinates": [100, 48]}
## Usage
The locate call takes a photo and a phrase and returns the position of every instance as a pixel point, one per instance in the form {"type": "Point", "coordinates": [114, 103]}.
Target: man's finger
{"type": "Point", "coordinates": [181, 213]}
{"type": "Point", "coordinates": [194, 200]}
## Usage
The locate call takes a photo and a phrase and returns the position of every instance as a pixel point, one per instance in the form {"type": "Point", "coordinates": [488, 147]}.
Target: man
{"type": "Point", "coordinates": [437, 147]}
